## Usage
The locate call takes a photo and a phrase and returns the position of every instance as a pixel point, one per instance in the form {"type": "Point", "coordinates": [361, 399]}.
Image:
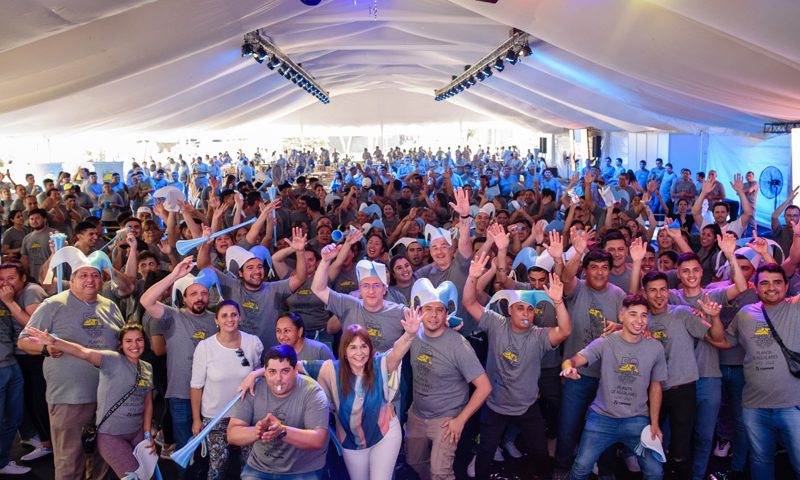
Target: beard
{"type": "Point", "coordinates": [197, 309]}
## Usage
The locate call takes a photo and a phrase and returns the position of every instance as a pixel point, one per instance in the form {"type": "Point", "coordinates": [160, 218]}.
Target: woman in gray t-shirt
{"type": "Point", "coordinates": [119, 434]}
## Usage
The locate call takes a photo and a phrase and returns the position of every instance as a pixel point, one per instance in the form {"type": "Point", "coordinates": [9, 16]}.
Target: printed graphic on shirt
{"type": "Point", "coordinates": [628, 370]}
{"type": "Point", "coordinates": [511, 356]}
{"type": "Point", "coordinates": [93, 327]}
{"type": "Point", "coordinates": [597, 321]}
{"type": "Point", "coordinates": [198, 336]}
{"type": "Point", "coordinates": [762, 335]}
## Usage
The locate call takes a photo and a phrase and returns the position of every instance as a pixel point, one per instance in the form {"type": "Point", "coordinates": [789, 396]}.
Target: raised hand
{"type": "Point", "coordinates": [462, 202]}
{"type": "Point", "coordinates": [6, 294]}
{"type": "Point", "coordinates": [329, 252]}
{"type": "Point", "coordinates": [298, 242]}
{"type": "Point", "coordinates": [207, 231]}
{"type": "Point", "coordinates": [652, 186]}
{"type": "Point", "coordinates": [709, 307]}
{"type": "Point", "coordinates": [580, 241]}
{"type": "Point", "coordinates": [759, 245]}
{"type": "Point", "coordinates": [130, 239]}
{"type": "Point", "coordinates": [213, 202]}
{"type": "Point", "coordinates": [413, 317]}
{"type": "Point", "coordinates": [478, 265]}
{"type": "Point", "coordinates": [708, 186]}
{"type": "Point", "coordinates": [637, 250]}
{"type": "Point", "coordinates": [556, 245]}
{"type": "Point", "coordinates": [727, 243]}
{"type": "Point", "coordinates": [184, 267]}
{"type": "Point", "coordinates": [538, 232]}
{"type": "Point", "coordinates": [589, 178]}
{"type": "Point", "coordinates": [500, 236]}
{"type": "Point", "coordinates": [354, 237]}
{"type": "Point", "coordinates": [738, 183]}
{"type": "Point", "coordinates": [795, 228]}
{"type": "Point", "coordinates": [219, 212]}
{"type": "Point", "coordinates": [555, 289]}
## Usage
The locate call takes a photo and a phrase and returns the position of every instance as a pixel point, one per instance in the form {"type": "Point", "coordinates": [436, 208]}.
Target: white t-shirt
{"type": "Point", "coordinates": [218, 370]}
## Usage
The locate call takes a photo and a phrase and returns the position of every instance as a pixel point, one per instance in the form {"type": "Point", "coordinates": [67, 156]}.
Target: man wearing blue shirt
{"type": "Point", "coordinates": [642, 174]}
{"type": "Point", "coordinates": [667, 178]}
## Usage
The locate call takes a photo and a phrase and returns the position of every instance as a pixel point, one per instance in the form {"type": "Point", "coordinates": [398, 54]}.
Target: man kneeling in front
{"type": "Point", "coordinates": [286, 421]}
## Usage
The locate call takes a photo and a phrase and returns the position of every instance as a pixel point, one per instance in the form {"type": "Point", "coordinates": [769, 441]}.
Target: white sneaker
{"type": "Point", "coordinates": [498, 455]}
{"type": "Point", "coordinates": [512, 450]}
{"type": "Point", "coordinates": [722, 449]}
{"type": "Point", "coordinates": [37, 452]}
{"type": "Point", "coordinates": [471, 467]}
{"type": "Point", "coordinates": [13, 469]}
{"type": "Point", "coordinates": [632, 463]}
{"type": "Point", "coordinates": [33, 442]}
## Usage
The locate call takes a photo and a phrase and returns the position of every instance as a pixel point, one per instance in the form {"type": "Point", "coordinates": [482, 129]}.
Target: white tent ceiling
{"type": "Point", "coordinates": [156, 65]}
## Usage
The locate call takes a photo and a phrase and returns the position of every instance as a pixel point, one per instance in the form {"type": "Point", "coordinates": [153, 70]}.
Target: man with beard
{"type": "Point", "coordinates": [771, 398]}
{"type": "Point", "coordinates": [593, 305]}
{"type": "Point", "coordinates": [83, 316]}
{"type": "Point", "coordinates": [183, 328]}
{"type": "Point", "coordinates": [35, 246]}
{"type": "Point", "coordinates": [261, 301]}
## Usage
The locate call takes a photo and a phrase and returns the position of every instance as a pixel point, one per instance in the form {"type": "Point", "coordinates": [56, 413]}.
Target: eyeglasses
{"type": "Point", "coordinates": [240, 354]}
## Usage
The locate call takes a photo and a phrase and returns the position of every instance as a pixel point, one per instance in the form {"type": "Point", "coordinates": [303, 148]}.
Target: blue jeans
{"type": "Point", "coordinates": [763, 427]}
{"type": "Point", "coordinates": [732, 387]}
{"type": "Point", "coordinates": [250, 473]}
{"type": "Point", "coordinates": [708, 395]}
{"type": "Point", "coordinates": [181, 411]}
{"type": "Point", "coordinates": [11, 405]}
{"type": "Point", "coordinates": [577, 395]}
{"type": "Point", "coordinates": [602, 432]}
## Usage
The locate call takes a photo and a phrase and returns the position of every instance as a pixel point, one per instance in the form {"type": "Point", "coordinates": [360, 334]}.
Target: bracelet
{"type": "Point", "coordinates": [465, 216]}
{"type": "Point", "coordinates": [559, 303]}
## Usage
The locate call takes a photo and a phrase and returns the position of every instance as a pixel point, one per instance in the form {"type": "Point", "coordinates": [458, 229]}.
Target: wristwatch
{"type": "Point", "coordinates": [282, 435]}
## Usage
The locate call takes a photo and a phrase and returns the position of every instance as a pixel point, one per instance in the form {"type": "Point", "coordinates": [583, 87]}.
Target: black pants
{"type": "Point", "coordinates": [466, 445]}
{"type": "Point", "coordinates": [35, 390]}
{"type": "Point", "coordinates": [550, 398]}
{"type": "Point", "coordinates": [493, 424]}
{"type": "Point", "coordinates": [678, 407]}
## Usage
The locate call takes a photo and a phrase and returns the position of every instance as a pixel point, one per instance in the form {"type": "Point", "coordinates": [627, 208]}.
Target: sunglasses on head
{"type": "Point", "coordinates": [240, 354]}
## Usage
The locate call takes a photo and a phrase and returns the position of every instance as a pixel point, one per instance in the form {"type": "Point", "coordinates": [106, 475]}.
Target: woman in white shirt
{"type": "Point", "coordinates": [220, 364]}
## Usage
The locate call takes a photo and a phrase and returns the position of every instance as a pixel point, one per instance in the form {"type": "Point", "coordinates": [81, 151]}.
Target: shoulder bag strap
{"type": "Point", "coordinates": [121, 401]}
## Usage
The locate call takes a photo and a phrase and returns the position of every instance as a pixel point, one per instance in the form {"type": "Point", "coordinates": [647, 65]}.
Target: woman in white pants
{"type": "Point", "coordinates": [361, 387]}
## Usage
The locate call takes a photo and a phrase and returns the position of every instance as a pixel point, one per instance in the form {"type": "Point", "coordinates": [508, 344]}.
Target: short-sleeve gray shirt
{"type": "Point", "coordinates": [183, 331]}
{"type": "Point", "coordinates": [626, 372]}
{"type": "Point", "coordinates": [443, 367]}
{"type": "Point", "coordinates": [306, 407]}
{"type": "Point", "coordinates": [676, 328]}
{"type": "Point", "coordinates": [117, 376]}
{"type": "Point", "coordinates": [457, 273]}
{"type": "Point", "coordinates": [384, 327]}
{"type": "Point", "coordinates": [260, 308]}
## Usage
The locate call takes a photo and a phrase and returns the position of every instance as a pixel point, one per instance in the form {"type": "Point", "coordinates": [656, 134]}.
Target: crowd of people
{"type": "Point", "coordinates": [438, 310]}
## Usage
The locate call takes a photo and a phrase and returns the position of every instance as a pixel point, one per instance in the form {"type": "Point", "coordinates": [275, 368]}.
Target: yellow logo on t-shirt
{"type": "Point", "coordinates": [762, 332]}
{"type": "Point", "coordinates": [35, 245]}
{"type": "Point", "coordinates": [5, 313]}
{"type": "Point", "coordinates": [142, 383]}
{"type": "Point", "coordinates": [374, 332]}
{"type": "Point", "coordinates": [659, 334]}
{"type": "Point", "coordinates": [425, 359]}
{"type": "Point", "coordinates": [629, 368]}
{"type": "Point", "coordinates": [347, 283]}
{"type": "Point", "coordinates": [199, 335]}
{"type": "Point", "coordinates": [511, 357]}
{"type": "Point", "coordinates": [250, 305]}
{"type": "Point", "coordinates": [304, 291]}
{"type": "Point", "coordinates": [91, 322]}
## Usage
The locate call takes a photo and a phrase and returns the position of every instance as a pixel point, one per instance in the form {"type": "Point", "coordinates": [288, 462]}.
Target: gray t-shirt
{"type": "Point", "coordinates": [733, 356]}
{"type": "Point", "coordinates": [314, 350]}
{"type": "Point", "coordinates": [309, 306]}
{"type": "Point", "coordinates": [626, 372]}
{"type": "Point", "coordinates": [95, 325]}
{"type": "Point", "coordinates": [544, 315]}
{"type": "Point", "coordinates": [31, 294]}
{"type": "Point", "coordinates": [767, 380]}
{"type": "Point", "coordinates": [513, 363]}
{"type": "Point", "coordinates": [182, 330]}
{"type": "Point", "coordinates": [622, 280]}
{"type": "Point", "coordinates": [106, 203]}
{"type": "Point", "coordinates": [457, 273]}
{"type": "Point", "coordinates": [306, 407]}
{"type": "Point", "coordinates": [13, 238]}
{"type": "Point", "coordinates": [707, 355]}
{"type": "Point", "coordinates": [589, 309]}
{"type": "Point", "coordinates": [117, 375]}
{"type": "Point", "coordinates": [443, 367]}
{"type": "Point", "coordinates": [37, 248]}
{"type": "Point", "coordinates": [260, 308]}
{"type": "Point", "coordinates": [676, 329]}
{"type": "Point", "coordinates": [384, 327]}
{"type": "Point", "coordinates": [345, 282]}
